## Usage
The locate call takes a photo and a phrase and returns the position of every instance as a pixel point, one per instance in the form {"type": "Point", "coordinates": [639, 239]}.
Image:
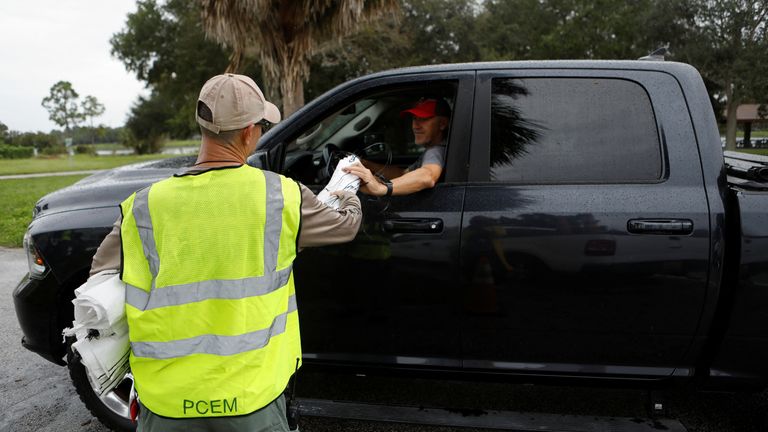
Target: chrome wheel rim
{"type": "Point", "coordinates": [117, 399]}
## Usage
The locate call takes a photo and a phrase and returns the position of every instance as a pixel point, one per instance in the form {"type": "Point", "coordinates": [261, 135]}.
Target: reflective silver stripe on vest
{"type": "Point", "coordinates": [274, 220]}
{"type": "Point", "coordinates": [215, 344]}
{"type": "Point", "coordinates": [175, 295]}
{"type": "Point", "coordinates": [146, 232]}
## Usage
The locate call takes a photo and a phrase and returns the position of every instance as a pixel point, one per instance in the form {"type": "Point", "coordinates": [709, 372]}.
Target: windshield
{"type": "Point", "coordinates": [316, 137]}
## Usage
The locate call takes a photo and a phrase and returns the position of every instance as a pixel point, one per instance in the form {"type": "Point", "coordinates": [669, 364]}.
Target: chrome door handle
{"type": "Point", "coordinates": [660, 226]}
{"type": "Point", "coordinates": [413, 225]}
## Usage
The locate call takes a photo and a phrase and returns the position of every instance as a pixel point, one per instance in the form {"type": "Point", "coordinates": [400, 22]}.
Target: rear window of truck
{"type": "Point", "coordinates": [572, 130]}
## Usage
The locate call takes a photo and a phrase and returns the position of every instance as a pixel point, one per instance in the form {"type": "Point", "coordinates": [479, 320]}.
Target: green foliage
{"type": "Point", "coordinates": [79, 135]}
{"type": "Point", "coordinates": [85, 149]}
{"type": "Point", "coordinates": [730, 48]}
{"type": "Point", "coordinates": [731, 45]}
{"type": "Point", "coordinates": [146, 126]}
{"type": "Point", "coordinates": [762, 152]}
{"type": "Point", "coordinates": [98, 134]}
{"type": "Point", "coordinates": [64, 109]}
{"type": "Point", "coordinates": [62, 105]}
{"type": "Point", "coordinates": [283, 35]}
{"type": "Point", "coordinates": [426, 32]}
{"type": "Point", "coordinates": [149, 144]}
{"type": "Point", "coordinates": [451, 31]}
{"type": "Point", "coordinates": [54, 150]}
{"type": "Point", "coordinates": [17, 197]}
{"type": "Point", "coordinates": [4, 133]}
{"type": "Point", "coordinates": [38, 140]}
{"type": "Point", "coordinates": [576, 29]}
{"type": "Point", "coordinates": [91, 107]}
{"type": "Point", "coordinates": [164, 45]}
{"type": "Point", "coordinates": [13, 152]}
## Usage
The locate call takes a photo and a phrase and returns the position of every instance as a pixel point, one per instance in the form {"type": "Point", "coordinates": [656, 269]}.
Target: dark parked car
{"type": "Point", "coordinates": [585, 228]}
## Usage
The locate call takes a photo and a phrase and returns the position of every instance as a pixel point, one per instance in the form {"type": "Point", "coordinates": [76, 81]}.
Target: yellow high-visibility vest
{"type": "Point", "coordinates": [210, 300]}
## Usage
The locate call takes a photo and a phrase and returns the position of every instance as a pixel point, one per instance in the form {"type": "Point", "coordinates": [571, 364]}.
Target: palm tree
{"type": "Point", "coordinates": [284, 34]}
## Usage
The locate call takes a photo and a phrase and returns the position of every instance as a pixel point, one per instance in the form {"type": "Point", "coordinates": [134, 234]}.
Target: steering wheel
{"type": "Point", "coordinates": [332, 154]}
{"type": "Point", "coordinates": [376, 151]}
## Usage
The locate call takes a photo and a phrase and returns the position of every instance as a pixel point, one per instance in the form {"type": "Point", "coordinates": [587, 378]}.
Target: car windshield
{"type": "Point", "coordinates": [316, 136]}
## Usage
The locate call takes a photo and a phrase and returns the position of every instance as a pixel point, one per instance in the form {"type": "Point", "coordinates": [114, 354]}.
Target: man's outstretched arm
{"type": "Point", "coordinates": [413, 181]}
{"type": "Point", "coordinates": [323, 225]}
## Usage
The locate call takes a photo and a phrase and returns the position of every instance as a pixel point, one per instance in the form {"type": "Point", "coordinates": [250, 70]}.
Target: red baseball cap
{"type": "Point", "coordinates": [426, 108]}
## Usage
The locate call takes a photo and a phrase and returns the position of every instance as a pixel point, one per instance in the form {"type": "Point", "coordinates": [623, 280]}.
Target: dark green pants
{"type": "Point", "coordinates": [271, 418]}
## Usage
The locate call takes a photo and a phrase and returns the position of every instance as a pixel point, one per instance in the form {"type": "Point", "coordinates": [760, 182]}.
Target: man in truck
{"type": "Point", "coordinates": [430, 117]}
{"type": "Point", "coordinates": [207, 259]}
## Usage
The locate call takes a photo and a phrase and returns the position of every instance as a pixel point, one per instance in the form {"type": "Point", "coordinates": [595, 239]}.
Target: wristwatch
{"type": "Point", "coordinates": [386, 183]}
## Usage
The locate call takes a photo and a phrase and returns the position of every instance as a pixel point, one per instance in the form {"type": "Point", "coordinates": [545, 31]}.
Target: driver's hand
{"type": "Point", "coordinates": [369, 184]}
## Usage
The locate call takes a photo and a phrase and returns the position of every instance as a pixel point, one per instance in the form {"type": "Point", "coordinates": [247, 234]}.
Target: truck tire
{"type": "Point", "coordinates": [112, 408]}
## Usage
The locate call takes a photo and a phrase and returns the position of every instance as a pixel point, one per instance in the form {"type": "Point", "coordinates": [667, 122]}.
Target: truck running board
{"type": "Point", "coordinates": [502, 420]}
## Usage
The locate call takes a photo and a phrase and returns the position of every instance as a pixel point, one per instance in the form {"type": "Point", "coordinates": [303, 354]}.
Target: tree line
{"type": "Point", "coordinates": [175, 45]}
{"type": "Point", "coordinates": [302, 48]}
{"type": "Point", "coordinates": [66, 110]}
{"type": "Point", "coordinates": [15, 144]}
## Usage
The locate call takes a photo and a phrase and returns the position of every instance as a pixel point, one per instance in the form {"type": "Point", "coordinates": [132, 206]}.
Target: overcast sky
{"type": "Point", "coordinates": [45, 41]}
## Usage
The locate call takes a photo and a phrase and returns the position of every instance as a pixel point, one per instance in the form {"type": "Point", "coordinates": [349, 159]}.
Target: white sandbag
{"type": "Point", "coordinates": [101, 330]}
{"type": "Point", "coordinates": [340, 181]}
{"type": "Point", "coordinates": [105, 357]}
{"type": "Point", "coordinates": [100, 302]}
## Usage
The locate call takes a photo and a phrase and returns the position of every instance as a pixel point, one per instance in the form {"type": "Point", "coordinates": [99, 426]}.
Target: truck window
{"type": "Point", "coordinates": [371, 127]}
{"type": "Point", "coordinates": [572, 130]}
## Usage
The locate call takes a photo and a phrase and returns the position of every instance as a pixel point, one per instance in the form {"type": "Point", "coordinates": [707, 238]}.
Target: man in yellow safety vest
{"type": "Point", "coordinates": [207, 260]}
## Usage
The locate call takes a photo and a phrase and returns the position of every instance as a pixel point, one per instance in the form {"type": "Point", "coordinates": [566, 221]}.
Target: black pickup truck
{"type": "Point", "coordinates": [587, 227]}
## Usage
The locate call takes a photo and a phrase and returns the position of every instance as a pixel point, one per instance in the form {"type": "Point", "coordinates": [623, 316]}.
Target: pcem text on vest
{"type": "Point", "coordinates": [216, 406]}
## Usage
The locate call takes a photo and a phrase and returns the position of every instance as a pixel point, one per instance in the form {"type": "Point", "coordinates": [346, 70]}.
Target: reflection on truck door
{"type": "Point", "coordinates": [553, 280]}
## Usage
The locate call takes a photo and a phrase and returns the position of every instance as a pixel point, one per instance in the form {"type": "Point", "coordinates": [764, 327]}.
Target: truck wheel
{"type": "Point", "coordinates": [111, 408]}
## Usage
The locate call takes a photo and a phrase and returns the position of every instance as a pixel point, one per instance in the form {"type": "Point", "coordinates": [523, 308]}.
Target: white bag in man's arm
{"type": "Point", "coordinates": [340, 181]}
{"type": "Point", "coordinates": [101, 330]}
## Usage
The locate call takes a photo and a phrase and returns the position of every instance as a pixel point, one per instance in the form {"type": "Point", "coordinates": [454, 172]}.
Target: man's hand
{"type": "Point", "coordinates": [369, 184]}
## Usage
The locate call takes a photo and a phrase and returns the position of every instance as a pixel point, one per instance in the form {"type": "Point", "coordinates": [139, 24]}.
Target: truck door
{"type": "Point", "coordinates": [585, 233]}
{"type": "Point", "coordinates": [390, 295]}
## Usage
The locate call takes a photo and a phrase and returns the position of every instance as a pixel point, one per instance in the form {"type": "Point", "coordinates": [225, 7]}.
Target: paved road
{"type": "Point", "coordinates": [36, 396]}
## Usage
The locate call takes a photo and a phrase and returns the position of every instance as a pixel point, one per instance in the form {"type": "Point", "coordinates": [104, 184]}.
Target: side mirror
{"type": "Point", "coordinates": [259, 159]}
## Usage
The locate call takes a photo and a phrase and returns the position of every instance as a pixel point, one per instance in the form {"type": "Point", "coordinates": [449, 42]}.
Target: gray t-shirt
{"type": "Point", "coordinates": [434, 155]}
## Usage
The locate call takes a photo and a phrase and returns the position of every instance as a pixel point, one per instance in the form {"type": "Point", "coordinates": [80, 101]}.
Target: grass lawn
{"type": "Point", "coordinates": [763, 152]}
{"type": "Point", "coordinates": [754, 134]}
{"type": "Point", "coordinates": [18, 197]}
{"type": "Point", "coordinates": [67, 163]}
{"type": "Point", "coordinates": [107, 146]}
{"type": "Point", "coordinates": [183, 143]}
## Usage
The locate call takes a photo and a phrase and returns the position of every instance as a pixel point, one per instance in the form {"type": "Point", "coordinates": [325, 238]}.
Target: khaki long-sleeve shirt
{"type": "Point", "coordinates": [320, 225]}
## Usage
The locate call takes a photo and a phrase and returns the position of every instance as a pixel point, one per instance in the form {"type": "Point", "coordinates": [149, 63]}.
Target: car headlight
{"type": "Point", "coordinates": [36, 264]}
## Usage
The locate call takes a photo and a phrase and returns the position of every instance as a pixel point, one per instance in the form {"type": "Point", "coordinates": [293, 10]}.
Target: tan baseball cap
{"type": "Point", "coordinates": [235, 101]}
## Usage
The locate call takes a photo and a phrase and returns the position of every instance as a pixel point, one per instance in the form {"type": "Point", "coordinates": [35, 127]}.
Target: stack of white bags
{"type": "Point", "coordinates": [101, 330]}
{"type": "Point", "coordinates": [340, 181]}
